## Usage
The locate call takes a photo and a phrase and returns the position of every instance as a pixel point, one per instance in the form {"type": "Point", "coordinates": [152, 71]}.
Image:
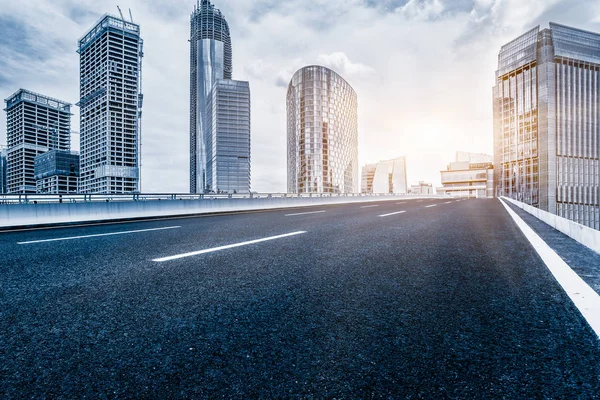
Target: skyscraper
{"type": "Point", "coordinates": [547, 122]}
{"type": "Point", "coordinates": [110, 102]}
{"type": "Point", "coordinates": [210, 59]}
{"type": "Point", "coordinates": [227, 124]}
{"type": "Point", "coordinates": [3, 169]}
{"type": "Point", "coordinates": [35, 124]}
{"type": "Point", "coordinates": [322, 133]}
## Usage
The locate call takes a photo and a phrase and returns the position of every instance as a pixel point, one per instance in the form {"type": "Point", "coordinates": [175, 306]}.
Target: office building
{"type": "Point", "coordinates": [35, 124]}
{"type": "Point", "coordinates": [547, 122]}
{"type": "Point", "coordinates": [210, 59]}
{"type": "Point", "coordinates": [322, 133]}
{"type": "Point", "coordinates": [3, 188]}
{"type": "Point", "coordinates": [57, 172]}
{"type": "Point", "coordinates": [228, 137]}
{"type": "Point", "coordinates": [385, 177]}
{"type": "Point", "coordinates": [110, 106]}
{"type": "Point", "coordinates": [466, 178]}
{"type": "Point", "coordinates": [421, 189]}
{"type": "Point", "coordinates": [367, 175]}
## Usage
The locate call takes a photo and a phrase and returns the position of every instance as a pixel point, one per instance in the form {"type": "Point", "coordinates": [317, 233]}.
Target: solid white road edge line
{"type": "Point", "coordinates": [305, 213]}
{"type": "Point", "coordinates": [370, 206]}
{"type": "Point", "coordinates": [394, 213]}
{"type": "Point", "coordinates": [98, 235]}
{"type": "Point", "coordinates": [432, 205]}
{"type": "Point", "coordinates": [229, 246]}
{"type": "Point", "coordinates": [582, 295]}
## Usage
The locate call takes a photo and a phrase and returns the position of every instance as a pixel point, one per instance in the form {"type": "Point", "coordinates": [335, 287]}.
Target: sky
{"type": "Point", "coordinates": [423, 70]}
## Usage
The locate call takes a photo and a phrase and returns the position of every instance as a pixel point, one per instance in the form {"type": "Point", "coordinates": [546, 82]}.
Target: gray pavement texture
{"type": "Point", "coordinates": [449, 301]}
{"type": "Point", "coordinates": [581, 259]}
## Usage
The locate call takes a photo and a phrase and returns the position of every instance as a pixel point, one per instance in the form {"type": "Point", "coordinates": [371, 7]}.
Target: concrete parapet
{"type": "Point", "coordinates": [32, 215]}
{"type": "Point", "coordinates": [586, 236]}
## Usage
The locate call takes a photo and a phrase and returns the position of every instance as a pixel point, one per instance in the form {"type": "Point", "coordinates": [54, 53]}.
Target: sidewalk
{"type": "Point", "coordinates": [584, 261]}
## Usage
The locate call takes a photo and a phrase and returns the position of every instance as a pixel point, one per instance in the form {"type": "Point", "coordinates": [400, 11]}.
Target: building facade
{"type": "Point", "coordinates": [57, 172]}
{"type": "Point", "coordinates": [322, 133]}
{"type": "Point", "coordinates": [3, 188]}
{"type": "Point", "coordinates": [367, 175]}
{"type": "Point", "coordinates": [421, 189]}
{"type": "Point", "coordinates": [471, 175]}
{"type": "Point", "coordinates": [211, 59]}
{"type": "Point", "coordinates": [547, 122]}
{"type": "Point", "coordinates": [35, 124]}
{"type": "Point", "coordinates": [111, 106]}
{"type": "Point", "coordinates": [228, 137]}
{"type": "Point", "coordinates": [385, 177]}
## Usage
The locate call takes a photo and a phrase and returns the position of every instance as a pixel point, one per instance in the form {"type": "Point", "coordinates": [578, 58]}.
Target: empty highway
{"type": "Point", "coordinates": [392, 299]}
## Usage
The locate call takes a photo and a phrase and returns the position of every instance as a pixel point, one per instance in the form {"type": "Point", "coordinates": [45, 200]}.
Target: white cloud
{"type": "Point", "coordinates": [340, 63]}
{"type": "Point", "coordinates": [421, 9]}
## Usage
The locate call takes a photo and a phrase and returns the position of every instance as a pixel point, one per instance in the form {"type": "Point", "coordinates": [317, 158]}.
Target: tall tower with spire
{"type": "Point", "coordinates": [210, 60]}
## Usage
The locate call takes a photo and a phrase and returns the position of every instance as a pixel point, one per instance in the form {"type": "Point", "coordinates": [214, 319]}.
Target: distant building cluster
{"type": "Point", "coordinates": [39, 157]}
{"type": "Point", "coordinates": [546, 126]}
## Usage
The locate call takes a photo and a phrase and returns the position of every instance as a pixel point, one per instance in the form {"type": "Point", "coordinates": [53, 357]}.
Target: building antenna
{"type": "Point", "coordinates": [130, 16]}
{"type": "Point", "coordinates": [120, 12]}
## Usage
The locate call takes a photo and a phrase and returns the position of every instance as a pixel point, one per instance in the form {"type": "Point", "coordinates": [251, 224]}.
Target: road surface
{"type": "Point", "coordinates": [391, 299]}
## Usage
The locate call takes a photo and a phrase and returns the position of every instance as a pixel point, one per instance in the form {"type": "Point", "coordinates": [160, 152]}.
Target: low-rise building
{"type": "Point", "coordinates": [385, 177]}
{"type": "Point", "coordinates": [57, 172]}
{"type": "Point", "coordinates": [421, 188]}
{"type": "Point", "coordinates": [466, 178]}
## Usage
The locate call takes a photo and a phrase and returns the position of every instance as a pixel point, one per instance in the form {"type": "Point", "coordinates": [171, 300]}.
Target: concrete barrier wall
{"type": "Point", "coordinates": [21, 215]}
{"type": "Point", "coordinates": [586, 236]}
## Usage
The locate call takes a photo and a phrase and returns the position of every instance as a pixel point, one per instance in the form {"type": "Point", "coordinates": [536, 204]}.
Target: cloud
{"type": "Point", "coordinates": [339, 62]}
{"type": "Point", "coordinates": [422, 69]}
{"type": "Point", "coordinates": [422, 9]}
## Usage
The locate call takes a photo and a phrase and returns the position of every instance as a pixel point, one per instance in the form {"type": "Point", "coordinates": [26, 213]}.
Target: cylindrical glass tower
{"type": "Point", "coordinates": [210, 59]}
{"type": "Point", "coordinates": [322, 133]}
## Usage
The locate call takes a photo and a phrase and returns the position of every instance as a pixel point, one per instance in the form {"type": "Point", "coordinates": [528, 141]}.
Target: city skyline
{"type": "Point", "coordinates": [392, 116]}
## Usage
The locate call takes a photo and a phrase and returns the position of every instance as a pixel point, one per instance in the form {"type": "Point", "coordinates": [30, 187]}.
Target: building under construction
{"type": "Point", "coordinates": [35, 124]}
{"type": "Point", "coordinates": [57, 172]}
{"type": "Point", "coordinates": [111, 103]}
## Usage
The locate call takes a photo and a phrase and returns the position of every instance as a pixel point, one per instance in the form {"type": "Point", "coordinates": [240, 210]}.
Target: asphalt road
{"type": "Point", "coordinates": [444, 300]}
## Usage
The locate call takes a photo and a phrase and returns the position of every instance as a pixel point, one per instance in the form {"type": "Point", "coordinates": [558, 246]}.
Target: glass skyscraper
{"type": "Point", "coordinates": [547, 122]}
{"type": "Point", "coordinates": [227, 137]}
{"type": "Point", "coordinates": [322, 133]}
{"type": "Point", "coordinates": [210, 59]}
{"type": "Point", "coordinates": [219, 108]}
{"type": "Point", "coordinates": [110, 106]}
